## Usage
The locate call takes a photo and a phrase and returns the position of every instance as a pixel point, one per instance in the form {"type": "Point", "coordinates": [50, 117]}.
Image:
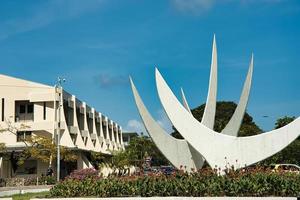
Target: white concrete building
{"type": "Point", "coordinates": [127, 137]}
{"type": "Point", "coordinates": [35, 105]}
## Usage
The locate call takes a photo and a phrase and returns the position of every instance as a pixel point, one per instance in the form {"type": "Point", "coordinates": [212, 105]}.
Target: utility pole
{"type": "Point", "coordinates": [58, 88]}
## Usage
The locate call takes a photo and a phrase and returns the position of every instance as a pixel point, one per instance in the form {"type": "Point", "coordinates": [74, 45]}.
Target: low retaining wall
{"type": "Point", "coordinates": [180, 198]}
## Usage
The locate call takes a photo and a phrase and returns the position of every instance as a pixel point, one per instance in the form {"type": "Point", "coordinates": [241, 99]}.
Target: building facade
{"type": "Point", "coordinates": [32, 108]}
{"type": "Point", "coordinates": [127, 136]}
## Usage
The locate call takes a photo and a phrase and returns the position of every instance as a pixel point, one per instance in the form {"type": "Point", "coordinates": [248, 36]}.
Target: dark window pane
{"type": "Point", "coordinates": [28, 167]}
{"type": "Point", "coordinates": [44, 110]}
{"type": "Point", "coordinates": [30, 108]}
{"type": "Point", "coordinates": [20, 136]}
{"type": "Point", "coordinates": [2, 109]}
{"type": "Point", "coordinates": [23, 135]}
{"type": "Point", "coordinates": [22, 109]}
{"type": "Point", "coordinates": [27, 135]}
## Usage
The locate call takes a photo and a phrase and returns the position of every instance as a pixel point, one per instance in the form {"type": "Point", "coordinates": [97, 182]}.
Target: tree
{"type": "Point", "coordinates": [141, 147]}
{"type": "Point", "coordinates": [224, 111]}
{"type": "Point", "coordinates": [283, 121]}
{"type": "Point", "coordinates": [2, 149]}
{"type": "Point", "coordinates": [42, 148]}
{"type": "Point", "coordinates": [97, 158]}
{"type": "Point", "coordinates": [119, 159]}
{"type": "Point", "coordinates": [135, 153]}
{"type": "Point", "coordinates": [37, 147]}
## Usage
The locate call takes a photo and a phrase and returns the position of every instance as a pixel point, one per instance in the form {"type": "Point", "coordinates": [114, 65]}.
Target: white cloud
{"type": "Point", "coordinates": [108, 81]}
{"type": "Point", "coordinates": [134, 125]}
{"type": "Point", "coordinates": [46, 13]}
{"type": "Point", "coordinates": [202, 6]}
{"type": "Point", "coordinates": [261, 1]}
{"type": "Point", "coordinates": [193, 6]}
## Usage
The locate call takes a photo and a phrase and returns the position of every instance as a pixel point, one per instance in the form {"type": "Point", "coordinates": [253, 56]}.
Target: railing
{"type": "Point", "coordinates": [24, 118]}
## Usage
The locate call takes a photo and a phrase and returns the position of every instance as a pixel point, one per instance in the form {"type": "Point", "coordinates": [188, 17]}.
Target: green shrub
{"type": "Point", "coordinates": [47, 180]}
{"type": "Point", "coordinates": [203, 183]}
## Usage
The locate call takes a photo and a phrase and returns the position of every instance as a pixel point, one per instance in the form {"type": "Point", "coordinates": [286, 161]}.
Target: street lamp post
{"type": "Point", "coordinates": [58, 88]}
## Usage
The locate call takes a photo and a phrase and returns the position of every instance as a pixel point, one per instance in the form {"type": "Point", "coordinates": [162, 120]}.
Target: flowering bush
{"type": "Point", "coordinates": [27, 181]}
{"type": "Point", "coordinates": [254, 182]}
{"type": "Point", "coordinates": [84, 174]}
{"type": "Point", "coordinates": [11, 182]}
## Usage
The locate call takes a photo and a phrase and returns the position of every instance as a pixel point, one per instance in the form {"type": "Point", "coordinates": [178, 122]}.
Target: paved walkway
{"type": "Point", "coordinates": [8, 191]}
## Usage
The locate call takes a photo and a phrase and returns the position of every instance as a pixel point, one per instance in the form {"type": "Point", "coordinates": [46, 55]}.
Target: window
{"type": "Point", "coordinates": [20, 136]}
{"type": "Point", "coordinates": [23, 136]}
{"type": "Point", "coordinates": [44, 110]}
{"type": "Point", "coordinates": [125, 139]}
{"type": "Point", "coordinates": [27, 135]}
{"type": "Point", "coordinates": [28, 167]}
{"type": "Point", "coordinates": [30, 108]}
{"type": "Point", "coordinates": [22, 109]}
{"type": "Point", "coordinates": [2, 109]}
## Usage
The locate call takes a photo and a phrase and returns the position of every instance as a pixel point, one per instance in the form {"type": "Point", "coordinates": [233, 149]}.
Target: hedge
{"type": "Point", "coordinates": [203, 183]}
{"type": "Point", "coordinates": [27, 181]}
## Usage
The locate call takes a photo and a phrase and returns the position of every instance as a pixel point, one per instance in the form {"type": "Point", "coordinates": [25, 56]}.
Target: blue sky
{"type": "Point", "coordinates": [97, 44]}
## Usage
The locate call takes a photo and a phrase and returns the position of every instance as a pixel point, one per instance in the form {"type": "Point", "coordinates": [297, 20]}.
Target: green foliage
{"type": "Point", "coordinates": [42, 148]}
{"type": "Point", "coordinates": [97, 158]}
{"type": "Point", "coordinates": [47, 180]}
{"type": "Point", "coordinates": [2, 149]}
{"type": "Point", "coordinates": [283, 121]}
{"type": "Point", "coordinates": [224, 111]}
{"type": "Point", "coordinates": [120, 159]}
{"type": "Point", "coordinates": [203, 183]}
{"type": "Point", "coordinates": [134, 154]}
{"type": "Point", "coordinates": [141, 147]}
{"type": "Point", "coordinates": [38, 147]}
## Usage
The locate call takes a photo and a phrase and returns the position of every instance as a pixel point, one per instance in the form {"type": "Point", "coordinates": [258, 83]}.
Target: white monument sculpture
{"type": "Point", "coordinates": [220, 150]}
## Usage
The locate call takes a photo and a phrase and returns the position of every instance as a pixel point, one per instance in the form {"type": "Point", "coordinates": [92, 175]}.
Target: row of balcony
{"type": "Point", "coordinates": [86, 125]}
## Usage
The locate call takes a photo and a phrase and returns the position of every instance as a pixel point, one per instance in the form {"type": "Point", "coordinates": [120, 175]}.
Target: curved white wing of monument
{"type": "Point", "coordinates": [193, 159]}
{"type": "Point", "coordinates": [184, 101]}
{"type": "Point", "coordinates": [222, 151]}
{"type": "Point", "coordinates": [175, 150]}
{"type": "Point", "coordinates": [208, 118]}
{"type": "Point", "coordinates": [234, 124]}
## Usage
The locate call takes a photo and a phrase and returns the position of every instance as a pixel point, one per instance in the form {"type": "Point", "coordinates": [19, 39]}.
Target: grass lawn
{"type": "Point", "coordinates": [28, 196]}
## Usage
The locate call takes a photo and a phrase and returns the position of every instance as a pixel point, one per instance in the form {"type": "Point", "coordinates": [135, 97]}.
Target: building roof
{"type": "Point", "coordinates": [6, 80]}
{"type": "Point", "coordinates": [130, 134]}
